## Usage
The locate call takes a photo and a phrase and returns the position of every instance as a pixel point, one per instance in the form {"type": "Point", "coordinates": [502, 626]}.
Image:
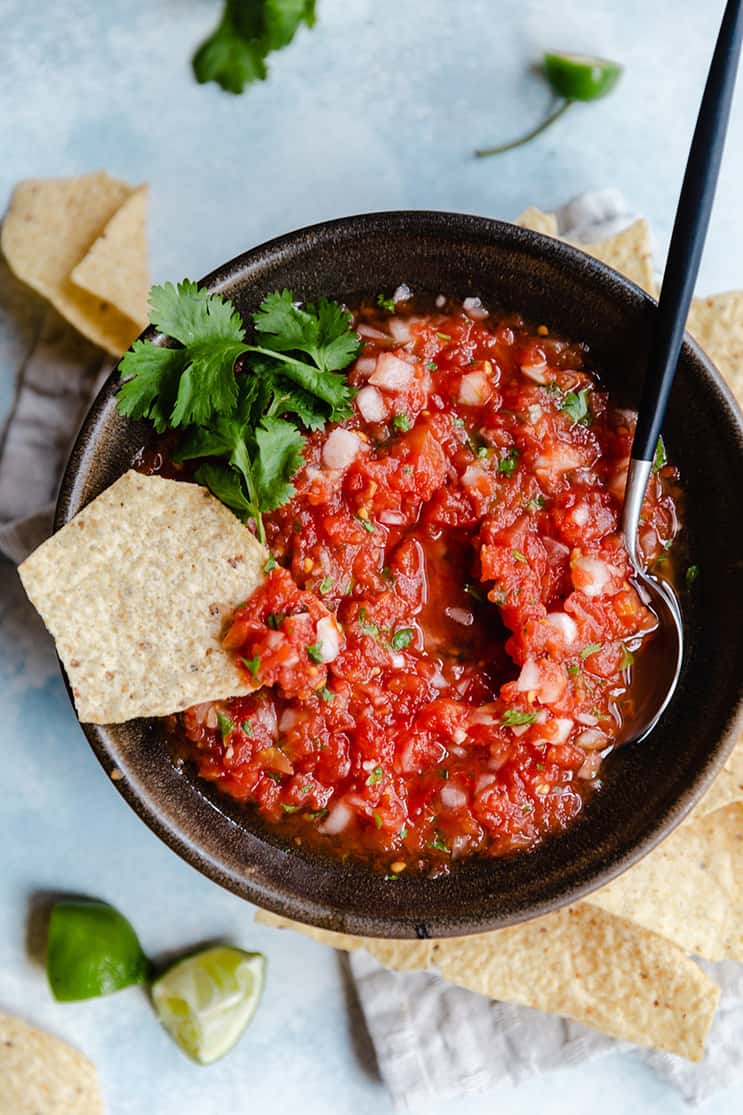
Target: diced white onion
{"type": "Point", "coordinates": [371, 404]}
{"type": "Point", "coordinates": [535, 412]}
{"type": "Point", "coordinates": [474, 308]}
{"type": "Point", "coordinates": [587, 718]}
{"type": "Point", "coordinates": [556, 550]}
{"type": "Point", "coordinates": [563, 623]}
{"type": "Point", "coordinates": [397, 660]}
{"type": "Point", "coordinates": [452, 797]}
{"type": "Point", "coordinates": [591, 740]}
{"type": "Point", "coordinates": [591, 766]}
{"type": "Point", "coordinates": [339, 818]}
{"type": "Point", "coordinates": [391, 517]}
{"type": "Point", "coordinates": [340, 448]}
{"type": "Point", "coordinates": [402, 294]}
{"type": "Point", "coordinates": [392, 373]}
{"type": "Point", "coordinates": [485, 714]}
{"type": "Point", "coordinates": [580, 515]}
{"type": "Point", "coordinates": [371, 333]}
{"type": "Point", "coordinates": [328, 639]}
{"type": "Point", "coordinates": [460, 615]}
{"type": "Point", "coordinates": [365, 366]}
{"type": "Point", "coordinates": [529, 678]}
{"type": "Point", "coordinates": [289, 718]}
{"type": "Point", "coordinates": [440, 301]}
{"type": "Point", "coordinates": [474, 389]}
{"type": "Point", "coordinates": [519, 729]}
{"type": "Point", "coordinates": [399, 327]}
{"type": "Point", "coordinates": [591, 575]}
{"type": "Point", "coordinates": [564, 727]}
{"type": "Point", "coordinates": [266, 717]}
{"type": "Point", "coordinates": [536, 371]}
{"type": "Point", "coordinates": [560, 458]}
{"type": "Point", "coordinates": [484, 782]}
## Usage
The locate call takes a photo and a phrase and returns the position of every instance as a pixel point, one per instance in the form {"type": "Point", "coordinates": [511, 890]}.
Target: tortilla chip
{"type": "Point", "coordinates": [579, 962]}
{"type": "Point", "coordinates": [41, 1075]}
{"type": "Point", "coordinates": [726, 788]}
{"type": "Point", "coordinates": [50, 226]}
{"type": "Point", "coordinates": [116, 267]}
{"type": "Point", "coordinates": [538, 221]}
{"type": "Point", "coordinates": [630, 252]}
{"type": "Point", "coordinates": [690, 888]}
{"type": "Point", "coordinates": [717, 324]}
{"type": "Point", "coordinates": [137, 590]}
{"type": "Point", "coordinates": [597, 969]}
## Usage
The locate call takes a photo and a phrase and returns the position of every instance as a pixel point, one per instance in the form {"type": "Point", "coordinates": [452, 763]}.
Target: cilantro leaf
{"type": "Point", "coordinates": [244, 426]}
{"type": "Point", "coordinates": [151, 376]}
{"type": "Point", "coordinates": [180, 387]}
{"type": "Point", "coordinates": [575, 405]}
{"type": "Point", "coordinates": [290, 399]}
{"type": "Point", "coordinates": [660, 459]}
{"type": "Point", "coordinates": [280, 447]}
{"type": "Point", "coordinates": [514, 718]}
{"type": "Point", "coordinates": [322, 332]}
{"type": "Point", "coordinates": [224, 483]}
{"type": "Point", "coordinates": [338, 345]}
{"type": "Point", "coordinates": [191, 315]}
{"type": "Point", "coordinates": [234, 55]}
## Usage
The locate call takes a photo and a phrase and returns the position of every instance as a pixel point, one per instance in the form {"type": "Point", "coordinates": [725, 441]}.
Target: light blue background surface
{"type": "Point", "coordinates": [378, 108]}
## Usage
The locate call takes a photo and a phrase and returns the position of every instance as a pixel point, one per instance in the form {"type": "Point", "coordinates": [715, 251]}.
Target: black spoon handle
{"type": "Point", "coordinates": [689, 231]}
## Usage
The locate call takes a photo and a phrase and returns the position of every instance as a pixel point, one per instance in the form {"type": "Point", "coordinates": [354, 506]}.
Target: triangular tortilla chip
{"type": "Point", "coordinates": [579, 962]}
{"type": "Point", "coordinates": [50, 226]}
{"type": "Point", "coordinates": [153, 570]}
{"type": "Point", "coordinates": [115, 268]}
{"type": "Point", "coordinates": [690, 888]}
{"type": "Point", "coordinates": [538, 221]}
{"type": "Point", "coordinates": [41, 1075]}
{"type": "Point", "coordinates": [716, 323]}
{"type": "Point", "coordinates": [629, 252]}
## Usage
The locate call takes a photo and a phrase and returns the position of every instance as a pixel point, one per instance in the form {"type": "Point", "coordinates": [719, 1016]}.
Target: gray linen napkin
{"type": "Point", "coordinates": [432, 1040]}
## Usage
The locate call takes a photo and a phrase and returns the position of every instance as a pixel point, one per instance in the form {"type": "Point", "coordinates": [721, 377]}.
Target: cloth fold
{"type": "Point", "coordinates": [432, 1040]}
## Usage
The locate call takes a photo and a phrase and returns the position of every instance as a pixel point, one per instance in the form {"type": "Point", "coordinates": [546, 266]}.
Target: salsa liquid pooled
{"type": "Point", "coordinates": [446, 632]}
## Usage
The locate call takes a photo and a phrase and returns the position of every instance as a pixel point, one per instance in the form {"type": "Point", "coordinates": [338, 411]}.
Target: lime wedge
{"type": "Point", "coordinates": [581, 77]}
{"type": "Point", "coordinates": [207, 1000]}
{"type": "Point", "coordinates": [91, 950]}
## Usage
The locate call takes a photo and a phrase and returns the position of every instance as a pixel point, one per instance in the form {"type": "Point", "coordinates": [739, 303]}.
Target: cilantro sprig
{"type": "Point", "coordinates": [246, 421]}
{"type": "Point", "coordinates": [235, 54]}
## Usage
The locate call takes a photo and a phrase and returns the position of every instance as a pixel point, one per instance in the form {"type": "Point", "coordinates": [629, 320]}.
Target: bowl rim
{"type": "Point", "coordinates": [305, 908]}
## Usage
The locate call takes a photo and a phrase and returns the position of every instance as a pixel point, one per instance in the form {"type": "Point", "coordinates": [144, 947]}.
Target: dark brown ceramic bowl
{"type": "Point", "coordinates": [648, 787]}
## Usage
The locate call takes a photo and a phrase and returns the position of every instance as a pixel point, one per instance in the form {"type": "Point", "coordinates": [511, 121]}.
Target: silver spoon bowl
{"type": "Point", "coordinates": [658, 663]}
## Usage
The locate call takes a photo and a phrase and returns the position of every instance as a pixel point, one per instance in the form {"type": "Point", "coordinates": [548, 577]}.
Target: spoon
{"type": "Point", "coordinates": [663, 655]}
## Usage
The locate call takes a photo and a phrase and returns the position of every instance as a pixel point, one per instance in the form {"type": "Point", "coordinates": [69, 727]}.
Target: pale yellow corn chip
{"type": "Point", "coordinates": [137, 590]}
{"type": "Point", "coordinates": [579, 962]}
{"type": "Point", "coordinates": [726, 788]}
{"type": "Point", "coordinates": [629, 252]}
{"type": "Point", "coordinates": [115, 268]}
{"type": "Point", "coordinates": [538, 221]}
{"type": "Point", "coordinates": [41, 1075]}
{"type": "Point", "coordinates": [690, 888]}
{"type": "Point", "coordinates": [716, 323]}
{"type": "Point", "coordinates": [50, 225]}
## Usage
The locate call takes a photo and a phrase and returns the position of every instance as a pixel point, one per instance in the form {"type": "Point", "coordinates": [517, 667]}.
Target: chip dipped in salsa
{"type": "Point", "coordinates": [444, 639]}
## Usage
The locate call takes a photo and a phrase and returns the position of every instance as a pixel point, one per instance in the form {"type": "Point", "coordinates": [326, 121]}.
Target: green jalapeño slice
{"type": "Point", "coordinates": [572, 77]}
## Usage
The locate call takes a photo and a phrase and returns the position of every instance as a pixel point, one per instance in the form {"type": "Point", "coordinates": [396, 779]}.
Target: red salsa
{"type": "Point", "coordinates": [445, 636]}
